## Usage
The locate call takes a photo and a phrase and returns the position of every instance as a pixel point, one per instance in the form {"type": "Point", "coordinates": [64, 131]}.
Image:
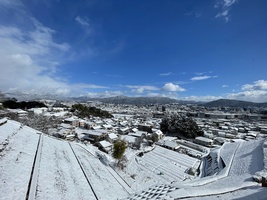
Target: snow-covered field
{"type": "Point", "coordinates": [36, 166]}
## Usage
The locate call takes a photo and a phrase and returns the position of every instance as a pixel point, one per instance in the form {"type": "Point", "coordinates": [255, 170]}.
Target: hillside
{"type": "Point", "coordinates": [56, 169]}
{"type": "Point", "coordinates": [233, 103]}
{"type": "Point", "coordinates": [135, 100]}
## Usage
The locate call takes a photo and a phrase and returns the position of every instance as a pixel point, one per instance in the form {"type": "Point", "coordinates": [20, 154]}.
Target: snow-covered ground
{"type": "Point", "coordinates": [243, 161]}
{"type": "Point", "coordinates": [36, 166]}
{"type": "Point", "coordinates": [18, 146]}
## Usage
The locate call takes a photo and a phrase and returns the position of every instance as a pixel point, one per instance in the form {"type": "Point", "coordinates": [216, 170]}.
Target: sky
{"type": "Point", "coordinates": [182, 49]}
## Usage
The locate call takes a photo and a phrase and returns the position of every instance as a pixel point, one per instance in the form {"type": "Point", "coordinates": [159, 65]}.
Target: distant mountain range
{"type": "Point", "coordinates": [166, 100]}
{"type": "Point", "coordinates": [233, 103]}
{"type": "Point", "coordinates": [135, 100]}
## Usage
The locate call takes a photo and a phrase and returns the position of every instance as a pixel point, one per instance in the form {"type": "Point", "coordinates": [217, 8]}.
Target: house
{"type": "Point", "coordinates": [124, 131]}
{"type": "Point", "coordinates": [96, 127]}
{"type": "Point", "coordinates": [130, 140]}
{"type": "Point", "coordinates": [145, 127]}
{"type": "Point", "coordinates": [104, 146]}
{"type": "Point", "coordinates": [72, 121]}
{"type": "Point", "coordinates": [203, 141]}
{"type": "Point", "coordinates": [89, 124]}
{"type": "Point", "coordinates": [134, 129]}
{"type": "Point", "coordinates": [70, 137]}
{"type": "Point", "coordinates": [138, 134]}
{"type": "Point", "coordinates": [157, 133]}
{"type": "Point", "coordinates": [66, 126]}
{"type": "Point", "coordinates": [107, 126]}
{"type": "Point", "coordinates": [170, 145]}
{"type": "Point", "coordinates": [112, 137]}
{"type": "Point", "coordinates": [90, 135]}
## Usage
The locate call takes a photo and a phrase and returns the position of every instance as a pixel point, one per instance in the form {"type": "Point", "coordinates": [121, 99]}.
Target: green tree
{"type": "Point", "coordinates": [119, 149]}
{"type": "Point", "coordinates": [85, 111]}
{"type": "Point", "coordinates": [178, 125]}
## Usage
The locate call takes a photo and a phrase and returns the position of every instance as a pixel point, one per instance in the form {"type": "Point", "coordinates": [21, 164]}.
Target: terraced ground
{"type": "Point", "coordinates": [169, 164]}
{"type": "Point", "coordinates": [35, 166]}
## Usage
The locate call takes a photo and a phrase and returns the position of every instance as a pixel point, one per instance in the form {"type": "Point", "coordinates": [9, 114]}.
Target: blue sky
{"type": "Point", "coordinates": [186, 49]}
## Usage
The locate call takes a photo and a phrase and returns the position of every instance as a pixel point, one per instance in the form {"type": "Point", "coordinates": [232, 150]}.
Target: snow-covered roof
{"type": "Point", "coordinates": [105, 144]}
{"type": "Point", "coordinates": [112, 136]}
{"type": "Point", "coordinates": [107, 126]}
{"type": "Point", "coordinates": [203, 139]}
{"type": "Point", "coordinates": [129, 139]}
{"type": "Point", "coordinates": [171, 144]}
{"type": "Point", "coordinates": [138, 133]}
{"type": "Point", "coordinates": [71, 119]}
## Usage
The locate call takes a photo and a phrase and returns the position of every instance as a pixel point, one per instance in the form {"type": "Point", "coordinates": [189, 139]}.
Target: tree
{"type": "Point", "coordinates": [85, 111]}
{"type": "Point", "coordinates": [118, 152]}
{"type": "Point", "coordinates": [119, 149]}
{"type": "Point", "coordinates": [178, 125]}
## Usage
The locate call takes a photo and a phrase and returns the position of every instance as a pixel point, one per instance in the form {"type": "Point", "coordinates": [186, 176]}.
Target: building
{"type": "Point", "coordinates": [203, 141]}
{"type": "Point", "coordinates": [104, 146]}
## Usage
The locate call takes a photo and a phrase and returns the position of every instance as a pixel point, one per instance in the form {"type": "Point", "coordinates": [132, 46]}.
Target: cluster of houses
{"type": "Point", "coordinates": [141, 124]}
{"type": "Point", "coordinates": [104, 132]}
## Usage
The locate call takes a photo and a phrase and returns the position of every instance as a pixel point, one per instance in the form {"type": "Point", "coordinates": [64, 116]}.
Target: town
{"type": "Point", "coordinates": [154, 158]}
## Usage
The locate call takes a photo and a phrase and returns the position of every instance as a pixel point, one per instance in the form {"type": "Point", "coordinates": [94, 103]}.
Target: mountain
{"type": "Point", "coordinates": [135, 100]}
{"type": "Point", "coordinates": [233, 103]}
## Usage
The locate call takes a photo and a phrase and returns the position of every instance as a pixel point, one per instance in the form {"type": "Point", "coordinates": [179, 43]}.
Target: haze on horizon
{"type": "Point", "coordinates": [188, 50]}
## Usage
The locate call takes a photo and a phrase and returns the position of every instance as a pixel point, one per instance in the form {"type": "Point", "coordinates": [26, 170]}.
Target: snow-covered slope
{"type": "Point", "coordinates": [18, 146]}
{"type": "Point", "coordinates": [36, 166]}
{"type": "Point", "coordinates": [242, 163]}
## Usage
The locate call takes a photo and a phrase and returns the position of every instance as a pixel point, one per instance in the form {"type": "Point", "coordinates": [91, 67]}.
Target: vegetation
{"type": "Point", "coordinates": [85, 111]}
{"type": "Point", "coordinates": [119, 149]}
{"type": "Point", "coordinates": [22, 105]}
{"type": "Point", "coordinates": [118, 153]}
{"type": "Point", "coordinates": [180, 126]}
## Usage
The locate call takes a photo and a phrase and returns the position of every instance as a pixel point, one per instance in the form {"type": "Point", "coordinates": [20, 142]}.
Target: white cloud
{"type": "Point", "coordinates": [206, 98]}
{"type": "Point", "coordinates": [251, 95]}
{"type": "Point", "coordinates": [166, 74]}
{"type": "Point", "coordinates": [199, 78]}
{"type": "Point", "coordinates": [258, 85]}
{"type": "Point", "coordinates": [224, 6]}
{"type": "Point", "coordinates": [172, 88]}
{"type": "Point", "coordinates": [82, 21]}
{"type": "Point", "coordinates": [199, 73]}
{"type": "Point", "coordinates": [256, 92]}
{"type": "Point", "coordinates": [87, 86]}
{"type": "Point", "coordinates": [22, 57]}
{"type": "Point", "coordinates": [11, 4]}
{"type": "Point", "coordinates": [29, 60]}
{"type": "Point", "coordinates": [225, 86]}
{"type": "Point", "coordinates": [105, 94]}
{"type": "Point", "coordinates": [142, 88]}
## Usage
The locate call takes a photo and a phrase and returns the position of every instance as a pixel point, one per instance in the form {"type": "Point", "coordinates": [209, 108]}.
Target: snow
{"type": "Point", "coordinates": [60, 176]}
{"type": "Point", "coordinates": [16, 156]}
{"type": "Point", "coordinates": [247, 160]}
{"type": "Point", "coordinates": [61, 170]}
{"type": "Point", "coordinates": [105, 184]}
{"type": "Point", "coordinates": [56, 169]}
